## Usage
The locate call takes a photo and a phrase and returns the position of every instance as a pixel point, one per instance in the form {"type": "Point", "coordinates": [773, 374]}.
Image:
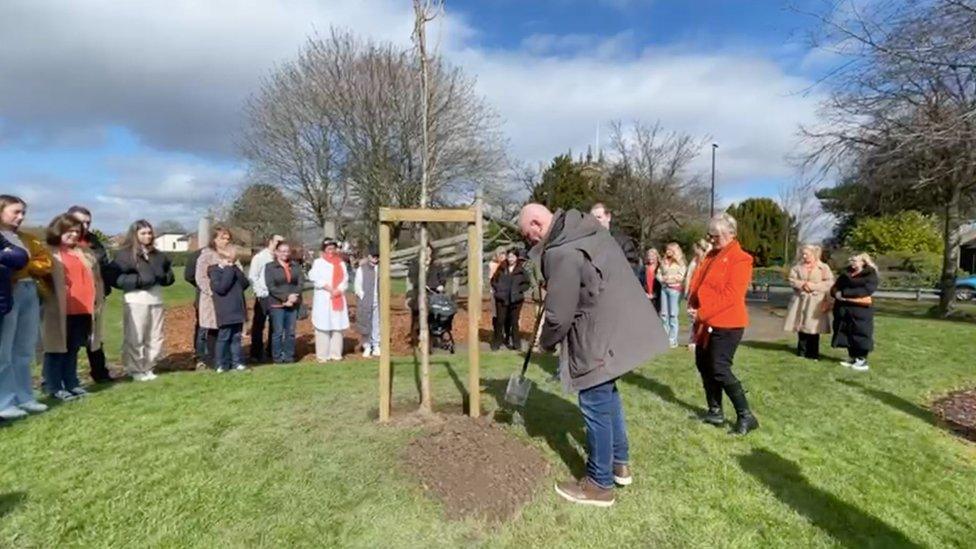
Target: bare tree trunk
{"type": "Point", "coordinates": [423, 15]}
{"type": "Point", "coordinates": [950, 253]}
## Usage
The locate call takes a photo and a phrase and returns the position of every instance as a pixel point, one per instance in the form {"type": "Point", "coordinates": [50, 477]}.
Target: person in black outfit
{"type": "Point", "coordinates": [509, 284]}
{"type": "Point", "coordinates": [228, 283]}
{"type": "Point", "coordinates": [854, 311]}
{"type": "Point", "coordinates": [437, 276]}
{"type": "Point", "coordinates": [96, 358]}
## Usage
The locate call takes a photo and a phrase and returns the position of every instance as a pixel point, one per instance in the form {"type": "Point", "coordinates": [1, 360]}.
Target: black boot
{"type": "Point", "coordinates": [744, 421]}
{"type": "Point", "coordinates": [713, 398]}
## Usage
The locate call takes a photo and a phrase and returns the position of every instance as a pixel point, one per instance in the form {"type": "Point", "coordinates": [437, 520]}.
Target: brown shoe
{"type": "Point", "coordinates": [585, 492]}
{"type": "Point", "coordinates": [621, 474]}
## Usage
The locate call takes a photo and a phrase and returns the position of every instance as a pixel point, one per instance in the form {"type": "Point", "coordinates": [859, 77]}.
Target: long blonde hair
{"type": "Point", "coordinates": [866, 258]}
{"type": "Point", "coordinates": [679, 255]}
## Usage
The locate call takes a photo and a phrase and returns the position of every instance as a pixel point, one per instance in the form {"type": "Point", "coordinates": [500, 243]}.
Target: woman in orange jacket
{"type": "Point", "coordinates": [717, 304]}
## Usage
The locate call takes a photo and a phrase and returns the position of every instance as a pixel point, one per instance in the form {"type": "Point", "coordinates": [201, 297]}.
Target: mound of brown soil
{"type": "Point", "coordinates": [958, 411]}
{"type": "Point", "coordinates": [475, 469]}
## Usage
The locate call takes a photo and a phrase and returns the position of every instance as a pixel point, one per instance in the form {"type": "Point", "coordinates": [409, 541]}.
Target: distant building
{"type": "Point", "coordinates": [172, 242]}
{"type": "Point", "coordinates": [967, 248]}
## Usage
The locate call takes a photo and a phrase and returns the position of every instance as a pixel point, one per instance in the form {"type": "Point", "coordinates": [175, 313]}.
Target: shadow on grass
{"type": "Point", "coordinates": [10, 501]}
{"type": "Point", "coordinates": [847, 524]}
{"type": "Point", "coordinates": [663, 391]}
{"type": "Point", "coordinates": [781, 346]}
{"type": "Point", "coordinates": [894, 401]}
{"type": "Point", "coordinates": [548, 416]}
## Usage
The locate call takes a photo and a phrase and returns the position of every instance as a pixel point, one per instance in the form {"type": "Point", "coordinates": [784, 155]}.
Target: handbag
{"type": "Point", "coordinates": [302, 312]}
{"type": "Point", "coordinates": [827, 305]}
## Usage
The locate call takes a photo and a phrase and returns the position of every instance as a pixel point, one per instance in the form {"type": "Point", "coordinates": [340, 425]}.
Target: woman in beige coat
{"type": "Point", "coordinates": [811, 280]}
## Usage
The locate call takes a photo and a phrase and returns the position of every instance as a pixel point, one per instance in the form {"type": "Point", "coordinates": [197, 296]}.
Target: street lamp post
{"type": "Point", "coordinates": [711, 211]}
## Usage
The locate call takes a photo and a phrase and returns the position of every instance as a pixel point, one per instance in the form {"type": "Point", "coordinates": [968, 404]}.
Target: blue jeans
{"type": "Point", "coordinates": [61, 369]}
{"type": "Point", "coordinates": [670, 300]}
{"type": "Point", "coordinates": [229, 352]}
{"type": "Point", "coordinates": [606, 432]}
{"type": "Point", "coordinates": [18, 342]}
{"type": "Point", "coordinates": [283, 334]}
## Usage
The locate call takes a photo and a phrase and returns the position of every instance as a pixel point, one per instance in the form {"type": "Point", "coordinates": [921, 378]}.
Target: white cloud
{"type": "Point", "coordinates": [745, 103]}
{"type": "Point", "coordinates": [150, 187]}
{"type": "Point", "coordinates": [176, 73]}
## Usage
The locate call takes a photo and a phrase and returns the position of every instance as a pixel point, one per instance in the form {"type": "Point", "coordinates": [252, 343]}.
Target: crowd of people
{"type": "Point", "coordinates": [603, 331]}
{"type": "Point", "coordinates": [607, 311]}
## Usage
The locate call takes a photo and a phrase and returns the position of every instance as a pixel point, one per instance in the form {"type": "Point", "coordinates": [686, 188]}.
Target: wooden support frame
{"type": "Point", "coordinates": [471, 216]}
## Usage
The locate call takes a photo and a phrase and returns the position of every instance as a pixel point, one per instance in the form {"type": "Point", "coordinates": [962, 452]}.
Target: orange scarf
{"type": "Point", "coordinates": [338, 301]}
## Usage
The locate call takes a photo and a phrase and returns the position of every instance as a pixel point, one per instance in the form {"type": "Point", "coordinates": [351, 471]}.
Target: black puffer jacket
{"type": "Point", "coordinates": [228, 285]}
{"type": "Point", "coordinates": [853, 322]}
{"type": "Point", "coordinates": [141, 272]}
{"type": "Point", "coordinates": [510, 287]}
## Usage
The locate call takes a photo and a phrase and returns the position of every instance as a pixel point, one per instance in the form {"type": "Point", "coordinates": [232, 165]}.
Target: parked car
{"type": "Point", "coordinates": [966, 288]}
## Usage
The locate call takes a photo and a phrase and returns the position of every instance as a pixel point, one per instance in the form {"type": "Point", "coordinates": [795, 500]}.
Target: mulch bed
{"type": "Point", "coordinates": [178, 350]}
{"type": "Point", "coordinates": [958, 411]}
{"type": "Point", "coordinates": [475, 469]}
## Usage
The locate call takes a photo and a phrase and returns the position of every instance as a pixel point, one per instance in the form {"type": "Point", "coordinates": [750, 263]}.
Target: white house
{"type": "Point", "coordinates": [172, 242]}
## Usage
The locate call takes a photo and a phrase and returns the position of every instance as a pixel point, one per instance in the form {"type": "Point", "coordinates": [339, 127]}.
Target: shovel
{"type": "Point", "coordinates": [518, 386]}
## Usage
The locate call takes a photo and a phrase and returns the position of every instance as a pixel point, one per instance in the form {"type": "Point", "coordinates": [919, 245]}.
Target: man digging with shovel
{"type": "Point", "coordinates": [606, 327]}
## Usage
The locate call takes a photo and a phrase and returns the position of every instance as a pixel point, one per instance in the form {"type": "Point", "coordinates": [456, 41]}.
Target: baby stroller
{"type": "Point", "coordinates": [440, 319]}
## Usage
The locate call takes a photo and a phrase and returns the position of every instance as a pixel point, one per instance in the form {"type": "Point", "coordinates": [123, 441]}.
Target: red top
{"type": "Point", "coordinates": [719, 286]}
{"type": "Point", "coordinates": [649, 273]}
{"type": "Point", "coordinates": [79, 284]}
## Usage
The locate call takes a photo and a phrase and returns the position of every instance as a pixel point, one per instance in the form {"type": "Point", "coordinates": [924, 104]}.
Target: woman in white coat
{"type": "Point", "coordinates": [330, 312]}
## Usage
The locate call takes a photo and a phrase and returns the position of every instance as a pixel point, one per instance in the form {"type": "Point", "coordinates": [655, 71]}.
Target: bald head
{"type": "Point", "coordinates": [534, 222]}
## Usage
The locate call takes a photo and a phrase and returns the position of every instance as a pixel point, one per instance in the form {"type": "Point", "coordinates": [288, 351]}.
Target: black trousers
{"type": "Point", "coordinates": [506, 324]}
{"type": "Point", "coordinates": [96, 364]}
{"type": "Point", "coordinates": [714, 363]}
{"type": "Point", "coordinates": [808, 345]}
{"type": "Point", "coordinates": [260, 348]}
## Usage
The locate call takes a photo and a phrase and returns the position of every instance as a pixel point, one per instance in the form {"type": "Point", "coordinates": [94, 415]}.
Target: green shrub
{"type": "Point", "coordinates": [907, 231]}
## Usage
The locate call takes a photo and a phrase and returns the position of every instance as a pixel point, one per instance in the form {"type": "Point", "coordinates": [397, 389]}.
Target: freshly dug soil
{"type": "Point", "coordinates": [178, 347]}
{"type": "Point", "coordinates": [958, 411]}
{"type": "Point", "coordinates": [475, 469]}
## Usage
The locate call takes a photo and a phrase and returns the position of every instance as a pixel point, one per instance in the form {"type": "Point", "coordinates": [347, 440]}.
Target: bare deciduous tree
{"type": "Point", "coordinates": [339, 129]}
{"type": "Point", "coordinates": [648, 179]}
{"type": "Point", "coordinates": [903, 107]}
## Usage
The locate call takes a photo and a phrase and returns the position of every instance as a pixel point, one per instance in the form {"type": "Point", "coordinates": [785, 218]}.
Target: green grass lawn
{"type": "Point", "coordinates": [291, 456]}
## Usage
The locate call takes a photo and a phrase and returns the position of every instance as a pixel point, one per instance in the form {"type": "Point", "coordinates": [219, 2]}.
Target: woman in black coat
{"type": "Point", "coordinates": [141, 272]}
{"type": "Point", "coordinates": [509, 285]}
{"type": "Point", "coordinates": [854, 311]}
{"type": "Point", "coordinates": [228, 282]}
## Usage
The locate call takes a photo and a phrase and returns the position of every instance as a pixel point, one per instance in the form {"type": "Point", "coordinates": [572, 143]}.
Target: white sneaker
{"type": "Point", "coordinates": [79, 392]}
{"type": "Point", "coordinates": [376, 351]}
{"type": "Point", "coordinates": [861, 365]}
{"type": "Point", "coordinates": [64, 396]}
{"type": "Point", "coordinates": [240, 367]}
{"type": "Point", "coordinates": [150, 376]}
{"type": "Point", "coordinates": [12, 412]}
{"type": "Point", "coordinates": [846, 363]}
{"type": "Point", "coordinates": [221, 370]}
{"type": "Point", "coordinates": [336, 358]}
{"type": "Point", "coordinates": [33, 407]}
{"type": "Point", "coordinates": [367, 351]}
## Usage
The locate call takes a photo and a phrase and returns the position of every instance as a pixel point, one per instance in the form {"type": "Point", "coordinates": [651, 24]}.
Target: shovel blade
{"type": "Point", "coordinates": [518, 390]}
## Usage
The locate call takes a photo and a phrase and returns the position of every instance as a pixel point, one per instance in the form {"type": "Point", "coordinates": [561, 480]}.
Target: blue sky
{"type": "Point", "coordinates": [134, 110]}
